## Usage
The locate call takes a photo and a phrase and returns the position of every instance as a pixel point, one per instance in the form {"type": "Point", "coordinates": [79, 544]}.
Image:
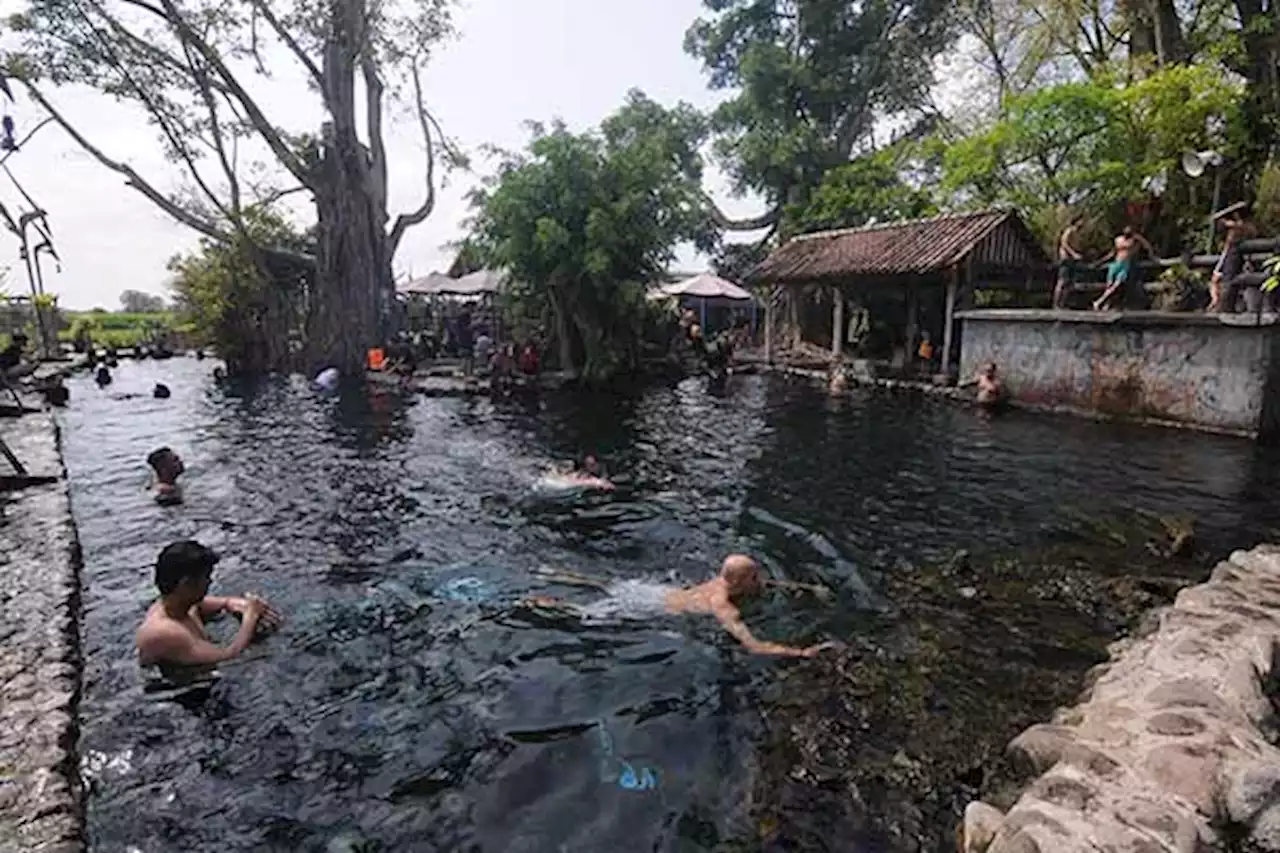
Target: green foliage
{"type": "Point", "coordinates": [810, 79]}
{"type": "Point", "coordinates": [583, 221]}
{"type": "Point", "coordinates": [1092, 143]}
{"type": "Point", "coordinates": [1266, 208]}
{"type": "Point", "coordinates": [231, 295]}
{"type": "Point", "coordinates": [1272, 266]}
{"type": "Point", "coordinates": [118, 329]}
{"type": "Point", "coordinates": [867, 190]}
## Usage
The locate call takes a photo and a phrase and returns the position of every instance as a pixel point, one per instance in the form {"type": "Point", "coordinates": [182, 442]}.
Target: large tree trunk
{"type": "Point", "coordinates": [351, 255]}
{"type": "Point", "coordinates": [1260, 25]}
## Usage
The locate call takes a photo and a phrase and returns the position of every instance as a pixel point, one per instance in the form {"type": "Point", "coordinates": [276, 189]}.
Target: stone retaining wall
{"type": "Point", "coordinates": [1173, 747]}
{"type": "Point", "coordinates": [41, 797]}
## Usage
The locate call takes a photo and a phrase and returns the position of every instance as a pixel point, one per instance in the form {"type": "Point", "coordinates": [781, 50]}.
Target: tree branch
{"type": "Point", "coordinates": [162, 119]}
{"type": "Point", "coordinates": [290, 42]}
{"type": "Point", "coordinates": [407, 220]}
{"type": "Point", "coordinates": [373, 118]}
{"type": "Point", "coordinates": [137, 182]}
{"type": "Point", "coordinates": [257, 118]}
{"type": "Point", "coordinates": [132, 178]}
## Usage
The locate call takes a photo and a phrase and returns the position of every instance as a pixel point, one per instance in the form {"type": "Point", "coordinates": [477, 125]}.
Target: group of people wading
{"type": "Point", "coordinates": [1124, 274]}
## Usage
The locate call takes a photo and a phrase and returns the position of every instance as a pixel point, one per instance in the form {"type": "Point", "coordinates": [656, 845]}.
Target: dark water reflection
{"type": "Point", "coordinates": [393, 713]}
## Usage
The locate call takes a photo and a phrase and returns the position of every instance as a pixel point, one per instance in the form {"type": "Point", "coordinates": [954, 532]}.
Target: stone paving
{"type": "Point", "coordinates": [41, 798]}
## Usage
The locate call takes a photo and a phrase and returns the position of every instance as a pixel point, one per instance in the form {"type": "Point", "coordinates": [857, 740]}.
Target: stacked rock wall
{"type": "Point", "coordinates": [41, 802]}
{"type": "Point", "coordinates": [1172, 749]}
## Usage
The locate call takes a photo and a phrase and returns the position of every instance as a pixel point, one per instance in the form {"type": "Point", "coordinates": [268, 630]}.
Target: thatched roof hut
{"type": "Point", "coordinates": [942, 258]}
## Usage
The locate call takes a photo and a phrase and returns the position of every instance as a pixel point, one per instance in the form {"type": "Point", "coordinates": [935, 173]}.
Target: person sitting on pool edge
{"type": "Point", "coordinates": [167, 466]}
{"type": "Point", "coordinates": [172, 634]}
{"type": "Point", "coordinates": [739, 578]}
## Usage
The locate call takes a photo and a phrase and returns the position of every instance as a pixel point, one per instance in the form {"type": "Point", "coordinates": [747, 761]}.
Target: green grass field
{"type": "Point", "coordinates": [114, 329]}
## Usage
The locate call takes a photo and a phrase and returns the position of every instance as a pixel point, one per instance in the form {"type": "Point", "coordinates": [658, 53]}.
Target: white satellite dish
{"type": "Point", "coordinates": [1194, 163]}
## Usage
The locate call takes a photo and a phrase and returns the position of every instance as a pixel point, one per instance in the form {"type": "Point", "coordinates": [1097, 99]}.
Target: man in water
{"type": "Point", "coordinates": [172, 634]}
{"type": "Point", "coordinates": [1068, 258]}
{"type": "Point", "coordinates": [739, 578]}
{"type": "Point", "coordinates": [1239, 226]}
{"type": "Point", "coordinates": [1122, 273]}
{"type": "Point", "coordinates": [167, 466]}
{"type": "Point", "coordinates": [990, 391]}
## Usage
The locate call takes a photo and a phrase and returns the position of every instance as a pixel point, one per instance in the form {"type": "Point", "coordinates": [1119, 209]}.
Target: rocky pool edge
{"type": "Point", "coordinates": [42, 802]}
{"type": "Point", "coordinates": [1172, 747]}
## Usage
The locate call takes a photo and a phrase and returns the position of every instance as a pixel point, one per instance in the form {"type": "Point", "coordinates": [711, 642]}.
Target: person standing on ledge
{"type": "Point", "coordinates": [172, 635]}
{"type": "Point", "coordinates": [1122, 273]}
{"type": "Point", "coordinates": [1239, 226]}
{"type": "Point", "coordinates": [1068, 257]}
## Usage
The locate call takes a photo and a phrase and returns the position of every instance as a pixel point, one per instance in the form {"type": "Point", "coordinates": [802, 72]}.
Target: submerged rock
{"type": "Point", "coordinates": [891, 739]}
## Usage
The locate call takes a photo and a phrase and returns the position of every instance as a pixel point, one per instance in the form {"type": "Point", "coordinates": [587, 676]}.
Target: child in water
{"type": "Point", "coordinates": [167, 466]}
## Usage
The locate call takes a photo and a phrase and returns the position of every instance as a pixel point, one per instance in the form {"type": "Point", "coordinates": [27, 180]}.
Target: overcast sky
{"type": "Point", "coordinates": [514, 60]}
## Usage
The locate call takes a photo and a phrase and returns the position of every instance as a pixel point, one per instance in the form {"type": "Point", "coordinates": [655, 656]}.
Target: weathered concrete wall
{"type": "Point", "coordinates": [41, 800]}
{"type": "Point", "coordinates": [1207, 371]}
{"type": "Point", "coordinates": [1173, 747]}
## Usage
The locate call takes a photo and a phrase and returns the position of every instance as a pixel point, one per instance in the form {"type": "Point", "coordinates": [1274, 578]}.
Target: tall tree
{"type": "Point", "coordinates": [138, 302]}
{"type": "Point", "coordinates": [584, 222]}
{"type": "Point", "coordinates": [199, 69]}
{"type": "Point", "coordinates": [812, 77]}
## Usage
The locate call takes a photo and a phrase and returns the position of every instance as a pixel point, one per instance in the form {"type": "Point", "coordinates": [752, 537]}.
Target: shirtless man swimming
{"type": "Point", "coordinates": [172, 635]}
{"type": "Point", "coordinates": [1122, 272]}
{"type": "Point", "coordinates": [739, 578]}
{"type": "Point", "coordinates": [167, 467]}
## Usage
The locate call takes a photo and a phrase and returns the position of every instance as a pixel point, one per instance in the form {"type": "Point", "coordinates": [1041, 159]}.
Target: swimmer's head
{"type": "Point", "coordinates": [184, 570]}
{"type": "Point", "coordinates": [161, 391]}
{"type": "Point", "coordinates": [166, 463]}
{"type": "Point", "coordinates": [741, 574]}
{"type": "Point", "coordinates": [591, 465]}
{"type": "Point", "coordinates": [219, 374]}
{"type": "Point", "coordinates": [989, 369]}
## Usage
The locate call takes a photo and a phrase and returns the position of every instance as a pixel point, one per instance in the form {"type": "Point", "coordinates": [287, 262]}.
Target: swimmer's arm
{"type": "Point", "coordinates": [213, 605]}
{"type": "Point", "coordinates": [178, 646]}
{"type": "Point", "coordinates": [731, 620]}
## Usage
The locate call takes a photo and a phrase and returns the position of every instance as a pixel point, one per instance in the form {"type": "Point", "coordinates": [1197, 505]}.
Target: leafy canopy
{"type": "Point", "coordinates": [868, 190]}
{"type": "Point", "coordinates": [585, 220]}
{"type": "Point", "coordinates": [1095, 141]}
{"type": "Point", "coordinates": [812, 77]}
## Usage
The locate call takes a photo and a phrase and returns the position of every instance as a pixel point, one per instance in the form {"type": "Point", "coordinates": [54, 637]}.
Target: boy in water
{"type": "Point", "coordinates": [167, 467]}
{"type": "Point", "coordinates": [739, 578]}
{"type": "Point", "coordinates": [172, 634]}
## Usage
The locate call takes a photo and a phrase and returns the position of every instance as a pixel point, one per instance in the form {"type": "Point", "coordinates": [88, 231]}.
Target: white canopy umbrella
{"type": "Point", "coordinates": [707, 286]}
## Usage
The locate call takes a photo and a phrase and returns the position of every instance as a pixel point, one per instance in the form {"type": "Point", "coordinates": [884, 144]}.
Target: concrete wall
{"type": "Point", "coordinates": [1214, 372]}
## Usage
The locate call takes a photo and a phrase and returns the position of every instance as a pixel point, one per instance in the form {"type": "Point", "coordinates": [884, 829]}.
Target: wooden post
{"type": "Point", "coordinates": [949, 319]}
{"type": "Point", "coordinates": [769, 311]}
{"type": "Point", "coordinates": [837, 324]}
{"type": "Point", "coordinates": [913, 323]}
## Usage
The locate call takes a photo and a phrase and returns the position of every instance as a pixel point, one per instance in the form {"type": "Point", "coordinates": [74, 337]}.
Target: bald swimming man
{"type": "Point", "coordinates": [739, 578]}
